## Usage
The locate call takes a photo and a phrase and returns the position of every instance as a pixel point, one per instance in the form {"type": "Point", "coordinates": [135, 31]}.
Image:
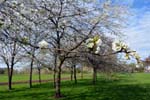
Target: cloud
{"type": "Point", "coordinates": [138, 32]}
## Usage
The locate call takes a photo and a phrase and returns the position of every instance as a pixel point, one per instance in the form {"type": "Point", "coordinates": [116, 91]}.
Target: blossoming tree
{"type": "Point", "coordinates": [64, 26]}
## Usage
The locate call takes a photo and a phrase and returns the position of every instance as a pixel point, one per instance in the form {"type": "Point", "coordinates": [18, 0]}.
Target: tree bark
{"type": "Point", "coordinates": [39, 72]}
{"type": "Point", "coordinates": [10, 70]}
{"type": "Point", "coordinates": [31, 71]}
{"type": "Point", "coordinates": [54, 74]}
{"type": "Point", "coordinates": [75, 76]}
{"type": "Point", "coordinates": [94, 75]}
{"type": "Point", "coordinates": [58, 82]}
{"type": "Point", "coordinates": [9, 79]}
{"type": "Point", "coordinates": [82, 72]}
{"type": "Point", "coordinates": [71, 73]}
{"type": "Point", "coordinates": [31, 67]}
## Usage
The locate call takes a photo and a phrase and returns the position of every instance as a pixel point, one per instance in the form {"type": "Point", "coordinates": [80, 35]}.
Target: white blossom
{"type": "Point", "coordinates": [99, 42]}
{"type": "Point", "coordinates": [97, 50]}
{"type": "Point", "coordinates": [90, 45]}
{"type": "Point", "coordinates": [16, 13]}
{"type": "Point", "coordinates": [136, 55]}
{"type": "Point", "coordinates": [138, 65]}
{"type": "Point", "coordinates": [118, 45]}
{"type": "Point", "coordinates": [64, 22]}
{"type": "Point", "coordinates": [22, 5]}
{"type": "Point", "coordinates": [94, 44]}
{"type": "Point", "coordinates": [89, 40]}
{"type": "Point", "coordinates": [24, 11]}
{"type": "Point", "coordinates": [43, 44]}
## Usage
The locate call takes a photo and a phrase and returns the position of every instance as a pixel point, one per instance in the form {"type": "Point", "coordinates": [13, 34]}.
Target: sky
{"type": "Point", "coordinates": [138, 30]}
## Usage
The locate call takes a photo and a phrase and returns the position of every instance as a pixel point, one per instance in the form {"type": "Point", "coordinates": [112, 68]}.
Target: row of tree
{"type": "Point", "coordinates": [53, 33]}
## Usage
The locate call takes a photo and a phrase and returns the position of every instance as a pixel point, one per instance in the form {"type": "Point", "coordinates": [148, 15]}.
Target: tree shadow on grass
{"type": "Point", "coordinates": [38, 92]}
{"type": "Point", "coordinates": [84, 90]}
{"type": "Point", "coordinates": [109, 90]}
{"type": "Point", "coordinates": [117, 92]}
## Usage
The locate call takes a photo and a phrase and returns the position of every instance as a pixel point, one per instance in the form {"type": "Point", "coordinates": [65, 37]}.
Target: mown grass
{"type": "Point", "coordinates": [24, 77]}
{"type": "Point", "coordinates": [122, 87]}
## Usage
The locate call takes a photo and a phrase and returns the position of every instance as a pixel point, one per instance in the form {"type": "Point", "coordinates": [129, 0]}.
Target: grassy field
{"type": "Point", "coordinates": [23, 77]}
{"type": "Point", "coordinates": [122, 87]}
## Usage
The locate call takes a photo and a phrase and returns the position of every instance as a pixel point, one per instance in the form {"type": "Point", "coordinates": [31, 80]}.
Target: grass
{"type": "Point", "coordinates": [24, 77]}
{"type": "Point", "coordinates": [123, 87]}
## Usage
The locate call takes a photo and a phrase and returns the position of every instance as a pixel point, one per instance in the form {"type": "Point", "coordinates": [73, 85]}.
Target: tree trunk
{"type": "Point", "coordinates": [75, 76]}
{"type": "Point", "coordinates": [12, 65]}
{"type": "Point", "coordinates": [31, 71]}
{"type": "Point", "coordinates": [39, 71]}
{"type": "Point", "coordinates": [10, 83]}
{"type": "Point", "coordinates": [54, 76]}
{"type": "Point", "coordinates": [94, 75]}
{"type": "Point", "coordinates": [9, 78]}
{"type": "Point", "coordinates": [71, 74]}
{"type": "Point", "coordinates": [58, 80]}
{"type": "Point", "coordinates": [55, 64]}
{"type": "Point", "coordinates": [82, 72]}
{"type": "Point", "coordinates": [10, 74]}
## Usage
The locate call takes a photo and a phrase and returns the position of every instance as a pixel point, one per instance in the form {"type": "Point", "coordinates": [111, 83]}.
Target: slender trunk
{"type": "Point", "coordinates": [31, 67]}
{"type": "Point", "coordinates": [94, 75]}
{"type": "Point", "coordinates": [75, 76]}
{"type": "Point", "coordinates": [54, 74]}
{"type": "Point", "coordinates": [11, 75]}
{"type": "Point", "coordinates": [58, 79]}
{"type": "Point", "coordinates": [39, 72]}
{"type": "Point", "coordinates": [31, 71]}
{"type": "Point", "coordinates": [9, 79]}
{"type": "Point", "coordinates": [58, 82]}
{"type": "Point", "coordinates": [12, 65]}
{"type": "Point", "coordinates": [9, 83]}
{"type": "Point", "coordinates": [59, 62]}
{"type": "Point", "coordinates": [82, 72]}
{"type": "Point", "coordinates": [71, 74]}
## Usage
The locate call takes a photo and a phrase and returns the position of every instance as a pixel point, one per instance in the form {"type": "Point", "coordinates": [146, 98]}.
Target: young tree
{"type": "Point", "coordinates": [10, 53]}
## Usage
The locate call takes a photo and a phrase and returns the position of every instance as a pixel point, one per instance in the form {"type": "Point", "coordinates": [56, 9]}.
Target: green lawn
{"type": "Point", "coordinates": [123, 87]}
{"type": "Point", "coordinates": [22, 77]}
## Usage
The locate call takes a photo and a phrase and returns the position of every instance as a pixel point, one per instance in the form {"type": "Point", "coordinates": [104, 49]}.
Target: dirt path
{"type": "Point", "coordinates": [34, 81]}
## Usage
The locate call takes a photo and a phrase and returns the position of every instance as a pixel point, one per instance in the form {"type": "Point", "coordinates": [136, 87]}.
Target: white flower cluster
{"type": "Point", "coordinates": [138, 65]}
{"type": "Point", "coordinates": [43, 44]}
{"type": "Point", "coordinates": [120, 46]}
{"type": "Point", "coordinates": [134, 54]}
{"type": "Point", "coordinates": [137, 57]}
{"type": "Point", "coordinates": [4, 22]}
{"type": "Point", "coordinates": [94, 44]}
